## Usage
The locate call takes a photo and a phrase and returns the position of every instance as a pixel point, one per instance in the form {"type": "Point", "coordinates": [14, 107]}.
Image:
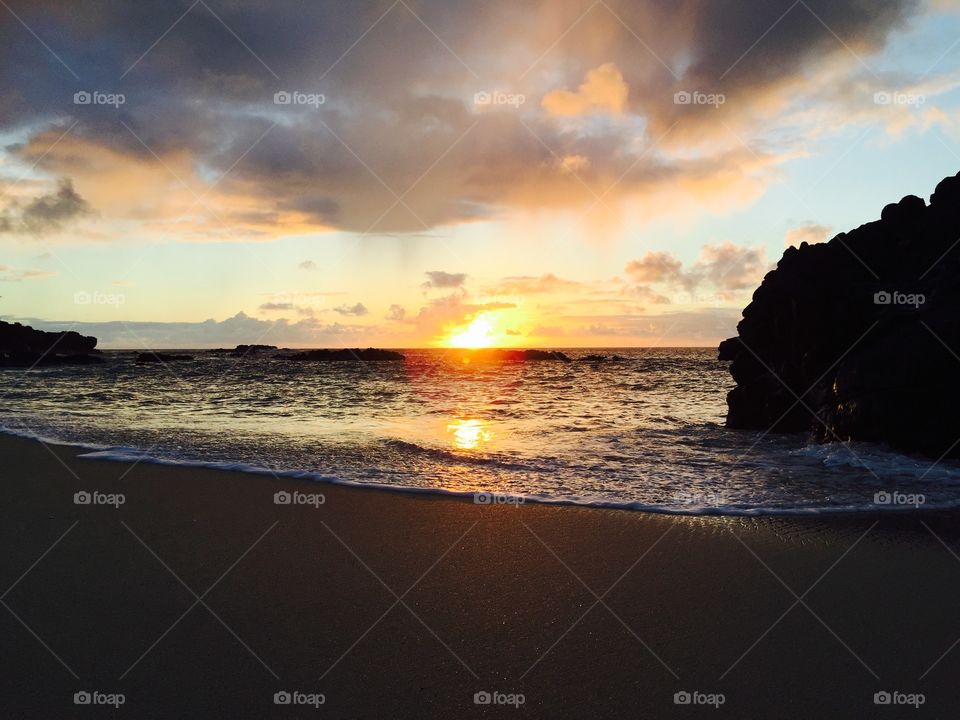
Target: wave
{"type": "Point", "coordinates": [491, 496]}
{"type": "Point", "coordinates": [881, 461]}
{"type": "Point", "coordinates": [487, 495]}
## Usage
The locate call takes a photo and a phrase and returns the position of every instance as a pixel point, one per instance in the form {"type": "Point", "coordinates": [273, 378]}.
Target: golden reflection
{"type": "Point", "coordinates": [469, 434]}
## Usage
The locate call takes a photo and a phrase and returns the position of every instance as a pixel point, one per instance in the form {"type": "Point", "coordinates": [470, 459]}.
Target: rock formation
{"type": "Point", "coordinates": [859, 337]}
{"type": "Point", "coordinates": [243, 350]}
{"type": "Point", "coordinates": [504, 355]}
{"type": "Point", "coordinates": [22, 346]}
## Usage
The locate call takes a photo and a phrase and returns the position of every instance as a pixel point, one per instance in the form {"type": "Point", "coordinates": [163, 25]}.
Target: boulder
{"type": "Point", "coordinates": [23, 346]}
{"type": "Point", "coordinates": [858, 338]}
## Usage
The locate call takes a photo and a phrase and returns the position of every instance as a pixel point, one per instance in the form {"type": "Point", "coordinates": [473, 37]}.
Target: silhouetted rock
{"type": "Point", "coordinates": [858, 338]}
{"type": "Point", "coordinates": [544, 355]}
{"type": "Point", "coordinates": [243, 350]}
{"type": "Point", "coordinates": [599, 358]}
{"type": "Point", "coordinates": [155, 357]}
{"type": "Point", "coordinates": [355, 355]}
{"type": "Point", "coordinates": [503, 355]}
{"type": "Point", "coordinates": [22, 346]}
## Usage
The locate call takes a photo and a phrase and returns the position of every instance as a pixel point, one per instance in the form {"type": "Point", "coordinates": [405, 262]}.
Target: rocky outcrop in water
{"type": "Point", "coordinates": [859, 338]}
{"type": "Point", "coordinates": [23, 346]}
{"type": "Point", "coordinates": [503, 355]}
{"type": "Point", "coordinates": [595, 358]}
{"type": "Point", "coordinates": [243, 350]}
{"type": "Point", "coordinates": [354, 355]}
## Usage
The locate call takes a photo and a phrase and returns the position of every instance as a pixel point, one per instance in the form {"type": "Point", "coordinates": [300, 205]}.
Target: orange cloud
{"type": "Point", "coordinates": [603, 90]}
{"type": "Point", "coordinates": [809, 233]}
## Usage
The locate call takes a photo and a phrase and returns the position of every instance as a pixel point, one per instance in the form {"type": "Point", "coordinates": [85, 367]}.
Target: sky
{"type": "Point", "coordinates": [429, 173]}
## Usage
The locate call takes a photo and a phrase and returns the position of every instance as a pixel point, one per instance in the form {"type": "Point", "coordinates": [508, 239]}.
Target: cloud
{"type": "Point", "coordinates": [396, 314]}
{"type": "Point", "coordinates": [530, 285]}
{"type": "Point", "coordinates": [811, 233]}
{"type": "Point", "coordinates": [725, 266]}
{"type": "Point", "coordinates": [241, 328]}
{"type": "Point", "coordinates": [307, 265]}
{"type": "Point", "coordinates": [730, 267]}
{"type": "Point", "coordinates": [47, 213]}
{"type": "Point", "coordinates": [12, 274]}
{"type": "Point", "coordinates": [357, 310]}
{"type": "Point", "coordinates": [703, 327]}
{"type": "Point", "coordinates": [440, 279]}
{"type": "Point", "coordinates": [648, 295]}
{"type": "Point", "coordinates": [603, 89]}
{"type": "Point", "coordinates": [656, 267]}
{"type": "Point", "coordinates": [276, 307]}
{"type": "Point", "coordinates": [200, 104]}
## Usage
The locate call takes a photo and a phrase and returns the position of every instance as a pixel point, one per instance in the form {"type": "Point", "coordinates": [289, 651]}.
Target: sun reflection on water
{"type": "Point", "coordinates": [469, 434]}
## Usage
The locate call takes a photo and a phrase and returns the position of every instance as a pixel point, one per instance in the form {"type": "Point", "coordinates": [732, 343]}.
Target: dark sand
{"type": "Point", "coordinates": [489, 606]}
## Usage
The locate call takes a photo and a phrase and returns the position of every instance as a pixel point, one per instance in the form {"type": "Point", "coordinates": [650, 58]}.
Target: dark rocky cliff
{"type": "Point", "coordinates": [859, 338]}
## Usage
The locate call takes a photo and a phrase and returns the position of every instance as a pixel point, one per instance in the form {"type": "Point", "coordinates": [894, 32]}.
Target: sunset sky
{"type": "Point", "coordinates": [434, 172]}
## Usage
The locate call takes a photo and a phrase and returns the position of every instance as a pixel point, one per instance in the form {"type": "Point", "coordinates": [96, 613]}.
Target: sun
{"type": "Point", "coordinates": [478, 334]}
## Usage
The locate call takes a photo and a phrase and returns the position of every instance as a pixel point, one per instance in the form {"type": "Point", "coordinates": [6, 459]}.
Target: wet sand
{"type": "Point", "coordinates": [201, 597]}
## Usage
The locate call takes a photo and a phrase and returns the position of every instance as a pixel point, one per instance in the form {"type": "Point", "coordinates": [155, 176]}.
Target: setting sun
{"type": "Point", "coordinates": [479, 333]}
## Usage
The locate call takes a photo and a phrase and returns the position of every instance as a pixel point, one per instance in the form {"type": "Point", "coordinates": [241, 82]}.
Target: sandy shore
{"type": "Point", "coordinates": [394, 605]}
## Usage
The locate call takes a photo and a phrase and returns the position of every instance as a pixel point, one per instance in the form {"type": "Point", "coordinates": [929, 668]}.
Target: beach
{"type": "Point", "coordinates": [192, 593]}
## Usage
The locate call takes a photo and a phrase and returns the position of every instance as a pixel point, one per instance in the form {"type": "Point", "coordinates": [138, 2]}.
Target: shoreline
{"type": "Point", "coordinates": [135, 456]}
{"type": "Point", "coordinates": [491, 599]}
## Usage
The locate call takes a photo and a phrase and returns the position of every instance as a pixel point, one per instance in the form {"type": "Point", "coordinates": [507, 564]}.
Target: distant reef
{"type": "Point", "coordinates": [243, 350]}
{"type": "Point", "coordinates": [858, 338]}
{"type": "Point", "coordinates": [22, 346]}
{"type": "Point", "coordinates": [355, 355]}
{"type": "Point", "coordinates": [502, 355]}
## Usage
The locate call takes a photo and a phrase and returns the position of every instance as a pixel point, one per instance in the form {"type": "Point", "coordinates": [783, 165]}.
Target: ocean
{"type": "Point", "coordinates": [641, 430]}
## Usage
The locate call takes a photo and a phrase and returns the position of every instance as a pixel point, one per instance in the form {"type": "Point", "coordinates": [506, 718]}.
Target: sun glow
{"type": "Point", "coordinates": [478, 334]}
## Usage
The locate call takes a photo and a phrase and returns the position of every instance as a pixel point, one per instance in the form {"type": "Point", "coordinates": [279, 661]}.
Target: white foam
{"type": "Point", "coordinates": [134, 455]}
